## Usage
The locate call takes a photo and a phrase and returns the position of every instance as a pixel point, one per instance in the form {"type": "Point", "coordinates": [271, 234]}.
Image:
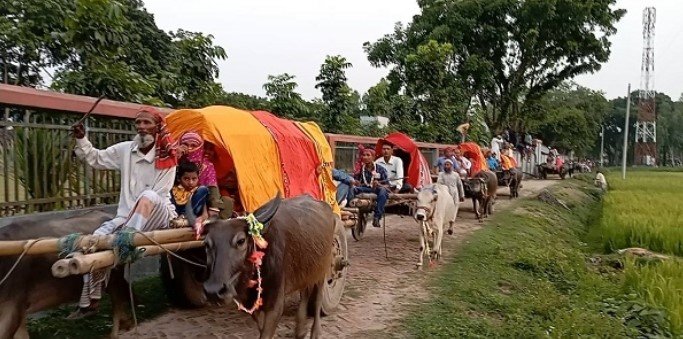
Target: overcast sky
{"type": "Point", "coordinates": [263, 37]}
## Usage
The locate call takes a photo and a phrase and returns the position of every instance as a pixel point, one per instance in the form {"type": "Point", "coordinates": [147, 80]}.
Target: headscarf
{"type": "Point", "coordinates": [192, 138]}
{"type": "Point", "coordinates": [165, 150]}
{"type": "Point", "coordinates": [207, 171]}
{"type": "Point", "coordinates": [448, 161]}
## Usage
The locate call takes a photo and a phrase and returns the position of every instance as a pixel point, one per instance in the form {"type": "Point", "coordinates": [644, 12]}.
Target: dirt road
{"type": "Point", "coordinates": [378, 288]}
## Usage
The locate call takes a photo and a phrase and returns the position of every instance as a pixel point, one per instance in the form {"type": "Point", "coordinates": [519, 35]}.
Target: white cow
{"type": "Point", "coordinates": [435, 208]}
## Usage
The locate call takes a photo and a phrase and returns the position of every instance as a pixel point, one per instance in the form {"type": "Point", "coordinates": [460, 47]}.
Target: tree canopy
{"type": "Point", "coordinates": [501, 53]}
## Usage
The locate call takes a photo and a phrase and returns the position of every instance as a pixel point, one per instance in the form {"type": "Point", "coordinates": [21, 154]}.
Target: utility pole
{"type": "Point", "coordinates": [602, 145]}
{"type": "Point", "coordinates": [628, 113]}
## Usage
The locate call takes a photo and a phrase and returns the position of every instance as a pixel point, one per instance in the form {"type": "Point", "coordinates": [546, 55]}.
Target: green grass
{"type": "Point", "coordinates": [659, 283]}
{"type": "Point", "coordinates": [645, 210]}
{"type": "Point", "coordinates": [529, 274]}
{"type": "Point", "coordinates": [151, 301]}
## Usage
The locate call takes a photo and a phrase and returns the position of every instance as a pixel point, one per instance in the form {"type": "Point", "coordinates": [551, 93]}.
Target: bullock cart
{"type": "Point", "coordinates": [417, 175]}
{"type": "Point", "coordinates": [267, 156]}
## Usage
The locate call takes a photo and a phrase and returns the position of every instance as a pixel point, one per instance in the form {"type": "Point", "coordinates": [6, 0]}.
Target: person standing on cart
{"type": "Point", "coordinates": [148, 168]}
{"type": "Point", "coordinates": [373, 178]}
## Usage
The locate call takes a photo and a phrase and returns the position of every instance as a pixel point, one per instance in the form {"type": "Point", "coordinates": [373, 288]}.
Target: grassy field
{"type": "Point", "coordinates": [646, 211]}
{"type": "Point", "coordinates": [531, 273]}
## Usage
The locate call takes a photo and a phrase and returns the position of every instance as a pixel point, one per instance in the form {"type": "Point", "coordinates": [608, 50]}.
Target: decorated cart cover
{"type": "Point", "coordinates": [473, 152]}
{"type": "Point", "coordinates": [268, 154]}
{"type": "Point", "coordinates": [418, 168]}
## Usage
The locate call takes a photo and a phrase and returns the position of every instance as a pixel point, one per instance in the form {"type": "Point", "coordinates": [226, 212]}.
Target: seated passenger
{"type": "Point", "coordinates": [394, 167]}
{"type": "Point", "coordinates": [372, 179]}
{"type": "Point", "coordinates": [492, 161]}
{"type": "Point", "coordinates": [344, 186]}
{"type": "Point", "coordinates": [463, 164]}
{"type": "Point", "coordinates": [188, 189]}
{"type": "Point", "coordinates": [193, 148]}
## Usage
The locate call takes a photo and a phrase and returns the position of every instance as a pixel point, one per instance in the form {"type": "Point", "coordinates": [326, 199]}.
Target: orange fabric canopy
{"type": "Point", "coordinates": [240, 136]}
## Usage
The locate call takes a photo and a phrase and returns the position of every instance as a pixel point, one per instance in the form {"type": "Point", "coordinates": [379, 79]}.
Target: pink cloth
{"type": "Point", "coordinates": [207, 172]}
{"type": "Point", "coordinates": [559, 162]}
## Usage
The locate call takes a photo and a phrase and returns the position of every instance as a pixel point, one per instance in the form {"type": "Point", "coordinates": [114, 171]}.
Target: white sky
{"type": "Point", "coordinates": [263, 37]}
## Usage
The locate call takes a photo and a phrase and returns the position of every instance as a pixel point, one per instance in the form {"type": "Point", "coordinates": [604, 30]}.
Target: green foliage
{"type": "Point", "coordinates": [107, 47]}
{"type": "Point", "coordinates": [660, 284]}
{"type": "Point", "coordinates": [43, 161]}
{"type": "Point", "coordinates": [341, 103]}
{"type": "Point", "coordinates": [568, 118]}
{"type": "Point", "coordinates": [505, 53]}
{"type": "Point", "coordinates": [643, 211]}
{"type": "Point", "coordinates": [284, 100]}
{"type": "Point", "coordinates": [525, 275]}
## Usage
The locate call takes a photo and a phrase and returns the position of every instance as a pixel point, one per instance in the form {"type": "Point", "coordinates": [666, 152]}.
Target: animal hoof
{"type": "Point", "coordinates": [450, 232]}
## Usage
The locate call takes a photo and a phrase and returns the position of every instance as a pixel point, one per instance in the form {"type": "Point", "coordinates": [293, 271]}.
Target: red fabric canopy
{"type": "Point", "coordinates": [473, 152]}
{"type": "Point", "coordinates": [417, 168]}
{"type": "Point", "coordinates": [297, 153]}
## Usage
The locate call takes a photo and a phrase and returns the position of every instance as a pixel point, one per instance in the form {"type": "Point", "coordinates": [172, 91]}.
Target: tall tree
{"type": "Point", "coordinates": [337, 95]}
{"type": "Point", "coordinates": [284, 100]}
{"type": "Point", "coordinates": [569, 118]}
{"type": "Point", "coordinates": [377, 101]}
{"type": "Point", "coordinates": [31, 39]}
{"type": "Point", "coordinates": [505, 52]}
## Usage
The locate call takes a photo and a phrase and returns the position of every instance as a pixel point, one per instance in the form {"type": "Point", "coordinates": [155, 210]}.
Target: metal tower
{"type": "Point", "coordinates": [646, 127]}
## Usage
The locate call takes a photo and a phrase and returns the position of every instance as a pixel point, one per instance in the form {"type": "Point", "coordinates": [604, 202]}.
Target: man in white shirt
{"type": "Point", "coordinates": [394, 167]}
{"type": "Point", "coordinates": [464, 164]}
{"type": "Point", "coordinates": [148, 167]}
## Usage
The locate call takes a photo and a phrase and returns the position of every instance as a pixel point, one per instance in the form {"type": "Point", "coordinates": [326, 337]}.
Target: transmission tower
{"type": "Point", "coordinates": [646, 127]}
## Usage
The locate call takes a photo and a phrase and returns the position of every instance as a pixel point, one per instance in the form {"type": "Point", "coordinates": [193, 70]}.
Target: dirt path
{"type": "Point", "coordinates": [378, 289]}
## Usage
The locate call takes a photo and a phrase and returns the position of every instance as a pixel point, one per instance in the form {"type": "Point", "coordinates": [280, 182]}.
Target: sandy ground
{"type": "Point", "coordinates": [377, 292]}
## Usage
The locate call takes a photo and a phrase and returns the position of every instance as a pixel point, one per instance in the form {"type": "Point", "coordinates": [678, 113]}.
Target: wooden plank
{"type": "Point", "coordinates": [51, 245]}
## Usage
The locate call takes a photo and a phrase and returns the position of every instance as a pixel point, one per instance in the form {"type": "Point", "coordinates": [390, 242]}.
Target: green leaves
{"type": "Point", "coordinates": [341, 112]}
{"type": "Point", "coordinates": [504, 52]}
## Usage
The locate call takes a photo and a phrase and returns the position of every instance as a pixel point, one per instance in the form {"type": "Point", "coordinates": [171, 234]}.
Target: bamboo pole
{"type": "Point", "coordinates": [81, 264]}
{"type": "Point", "coordinates": [101, 242]}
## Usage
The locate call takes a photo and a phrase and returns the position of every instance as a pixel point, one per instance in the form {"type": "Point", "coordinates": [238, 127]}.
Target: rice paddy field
{"type": "Point", "coordinates": [646, 211]}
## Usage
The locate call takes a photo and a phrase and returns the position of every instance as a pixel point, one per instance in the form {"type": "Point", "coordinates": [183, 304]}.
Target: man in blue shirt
{"type": "Point", "coordinates": [372, 179]}
{"type": "Point", "coordinates": [449, 153]}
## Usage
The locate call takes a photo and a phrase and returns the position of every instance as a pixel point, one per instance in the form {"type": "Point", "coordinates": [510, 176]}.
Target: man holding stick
{"type": "Point", "coordinates": [372, 178]}
{"type": "Point", "coordinates": [148, 167]}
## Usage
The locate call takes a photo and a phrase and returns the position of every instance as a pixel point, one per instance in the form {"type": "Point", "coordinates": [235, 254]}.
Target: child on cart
{"type": "Point", "coordinates": [186, 190]}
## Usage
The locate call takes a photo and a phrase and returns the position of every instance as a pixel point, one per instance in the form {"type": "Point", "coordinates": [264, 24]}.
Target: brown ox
{"type": "Point", "coordinates": [300, 235]}
{"type": "Point", "coordinates": [484, 187]}
{"type": "Point", "coordinates": [32, 288]}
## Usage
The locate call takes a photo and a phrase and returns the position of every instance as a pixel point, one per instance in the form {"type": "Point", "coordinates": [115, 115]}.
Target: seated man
{"type": "Point", "coordinates": [463, 164]}
{"type": "Point", "coordinates": [230, 196]}
{"type": "Point", "coordinates": [148, 167]}
{"type": "Point", "coordinates": [492, 161]}
{"type": "Point", "coordinates": [394, 167]}
{"type": "Point", "coordinates": [370, 179]}
{"type": "Point", "coordinates": [449, 153]}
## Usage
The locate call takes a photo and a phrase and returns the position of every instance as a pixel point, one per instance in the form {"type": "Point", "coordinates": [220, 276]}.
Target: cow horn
{"type": "Point", "coordinates": [266, 212]}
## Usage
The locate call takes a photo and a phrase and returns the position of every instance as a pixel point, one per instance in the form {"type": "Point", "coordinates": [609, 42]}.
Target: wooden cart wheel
{"type": "Point", "coordinates": [336, 278]}
{"type": "Point", "coordinates": [359, 229]}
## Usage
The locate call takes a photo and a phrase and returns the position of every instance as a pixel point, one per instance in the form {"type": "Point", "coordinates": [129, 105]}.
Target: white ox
{"type": "Point", "coordinates": [435, 208]}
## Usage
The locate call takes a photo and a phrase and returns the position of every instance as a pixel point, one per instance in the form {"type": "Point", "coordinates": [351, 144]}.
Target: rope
{"type": "Point", "coordinates": [169, 251]}
{"type": "Point", "coordinates": [21, 256]}
{"type": "Point", "coordinates": [124, 248]}
{"type": "Point", "coordinates": [68, 244]}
